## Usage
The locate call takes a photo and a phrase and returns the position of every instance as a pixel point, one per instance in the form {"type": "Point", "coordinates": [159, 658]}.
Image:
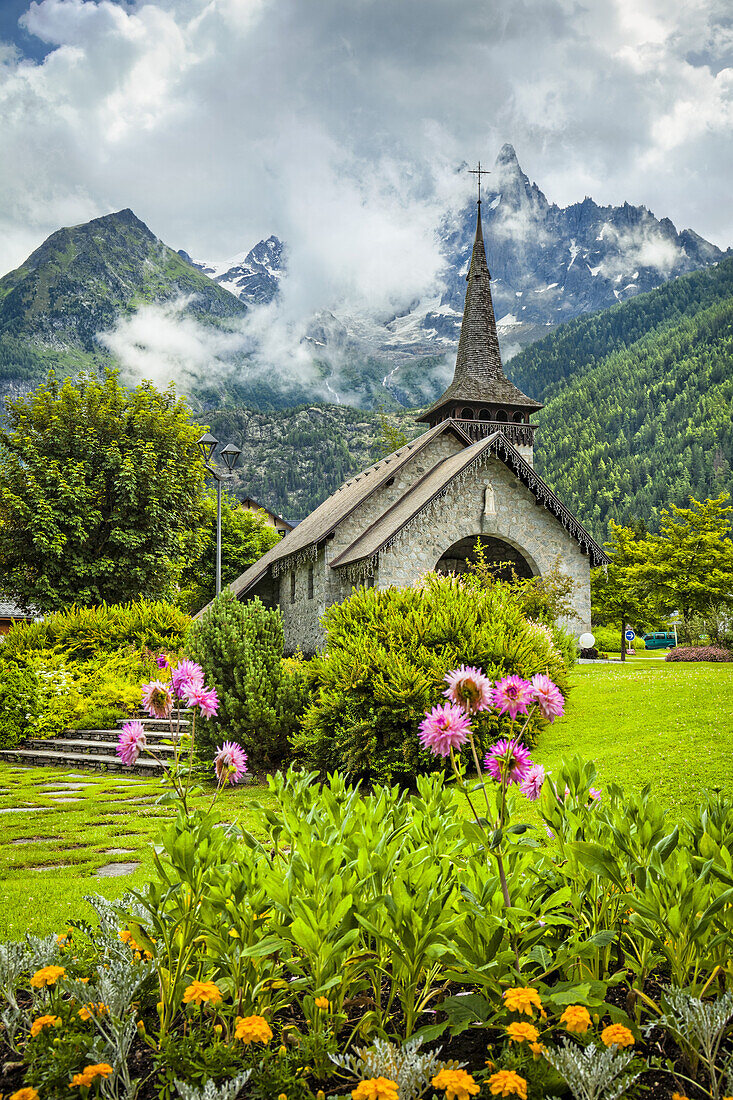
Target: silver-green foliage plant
{"type": "Point", "coordinates": [700, 1028]}
{"type": "Point", "coordinates": [593, 1073]}
{"type": "Point", "coordinates": [407, 1065]}
{"type": "Point", "coordinates": [228, 1090]}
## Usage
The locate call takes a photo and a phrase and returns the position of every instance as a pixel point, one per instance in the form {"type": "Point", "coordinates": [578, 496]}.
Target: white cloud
{"type": "Point", "coordinates": [338, 126]}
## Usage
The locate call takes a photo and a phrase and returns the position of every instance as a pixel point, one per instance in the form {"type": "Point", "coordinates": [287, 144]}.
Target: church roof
{"type": "Point", "coordinates": [479, 375]}
{"type": "Point", "coordinates": [333, 511]}
{"type": "Point", "coordinates": [424, 491]}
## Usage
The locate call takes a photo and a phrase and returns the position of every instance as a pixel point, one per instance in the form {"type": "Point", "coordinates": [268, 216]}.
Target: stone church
{"type": "Point", "coordinates": [470, 475]}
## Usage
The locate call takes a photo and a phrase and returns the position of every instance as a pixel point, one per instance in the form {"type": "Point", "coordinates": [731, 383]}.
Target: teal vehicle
{"type": "Point", "coordinates": [663, 639]}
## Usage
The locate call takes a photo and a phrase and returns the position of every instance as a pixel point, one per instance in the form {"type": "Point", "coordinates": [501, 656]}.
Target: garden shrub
{"type": "Point", "coordinates": [18, 703]}
{"type": "Point", "coordinates": [387, 653]}
{"type": "Point", "coordinates": [84, 632]}
{"type": "Point", "coordinates": [609, 640]}
{"type": "Point", "coordinates": [240, 648]}
{"type": "Point", "coordinates": [699, 653]}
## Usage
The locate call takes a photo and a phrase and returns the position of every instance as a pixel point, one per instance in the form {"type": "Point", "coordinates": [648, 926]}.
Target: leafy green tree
{"type": "Point", "coordinates": [98, 485]}
{"type": "Point", "coordinates": [390, 438]}
{"type": "Point", "coordinates": [245, 536]}
{"type": "Point", "coordinates": [619, 591]}
{"type": "Point", "coordinates": [690, 567]}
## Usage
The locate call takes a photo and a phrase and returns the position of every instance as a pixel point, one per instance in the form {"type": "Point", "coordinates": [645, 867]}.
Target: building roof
{"type": "Point", "coordinates": [479, 375]}
{"type": "Point", "coordinates": [10, 610]}
{"type": "Point", "coordinates": [333, 511]}
{"type": "Point", "coordinates": [435, 482]}
{"type": "Point", "coordinates": [264, 507]}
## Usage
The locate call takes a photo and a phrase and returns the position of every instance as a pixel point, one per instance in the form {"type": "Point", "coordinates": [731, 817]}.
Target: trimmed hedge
{"type": "Point", "coordinates": [699, 653]}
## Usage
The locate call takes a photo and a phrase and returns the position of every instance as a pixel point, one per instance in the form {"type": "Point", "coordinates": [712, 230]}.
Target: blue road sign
{"type": "Point", "coordinates": [629, 635]}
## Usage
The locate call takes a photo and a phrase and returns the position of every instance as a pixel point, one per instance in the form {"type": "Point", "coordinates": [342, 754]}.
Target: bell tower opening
{"type": "Point", "coordinates": [507, 561]}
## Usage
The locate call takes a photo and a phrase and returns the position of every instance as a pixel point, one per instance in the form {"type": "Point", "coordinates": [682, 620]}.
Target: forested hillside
{"type": "Point", "coordinates": [639, 402]}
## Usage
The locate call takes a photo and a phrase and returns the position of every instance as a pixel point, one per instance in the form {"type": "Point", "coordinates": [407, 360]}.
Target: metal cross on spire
{"type": "Point", "coordinates": [479, 172]}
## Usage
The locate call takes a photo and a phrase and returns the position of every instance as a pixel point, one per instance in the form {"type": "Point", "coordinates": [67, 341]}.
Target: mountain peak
{"type": "Point", "coordinates": [507, 157]}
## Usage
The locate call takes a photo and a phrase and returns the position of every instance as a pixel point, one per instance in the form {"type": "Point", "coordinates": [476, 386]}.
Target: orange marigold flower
{"type": "Point", "coordinates": [617, 1034]}
{"type": "Point", "coordinates": [25, 1094]}
{"type": "Point", "coordinates": [522, 1033]}
{"type": "Point", "coordinates": [681, 1096]}
{"type": "Point", "coordinates": [252, 1029]}
{"type": "Point", "coordinates": [90, 1074]}
{"type": "Point", "coordinates": [458, 1084]}
{"type": "Point", "coordinates": [44, 1021]}
{"type": "Point", "coordinates": [508, 1083]}
{"type": "Point", "coordinates": [200, 992]}
{"type": "Point", "coordinates": [538, 1049]}
{"type": "Point", "coordinates": [87, 1011]}
{"type": "Point", "coordinates": [522, 1000]}
{"type": "Point", "coordinates": [376, 1088]}
{"type": "Point", "coordinates": [323, 1004]}
{"type": "Point", "coordinates": [576, 1019]}
{"type": "Point", "coordinates": [47, 975]}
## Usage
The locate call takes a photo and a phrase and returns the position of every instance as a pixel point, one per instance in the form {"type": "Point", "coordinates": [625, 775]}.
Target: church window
{"type": "Point", "coordinates": [484, 414]}
{"type": "Point", "coordinates": [467, 414]}
{"type": "Point", "coordinates": [310, 582]}
{"type": "Point", "coordinates": [292, 586]}
{"type": "Point", "coordinates": [369, 581]}
{"type": "Point", "coordinates": [518, 418]}
{"type": "Point", "coordinates": [501, 416]}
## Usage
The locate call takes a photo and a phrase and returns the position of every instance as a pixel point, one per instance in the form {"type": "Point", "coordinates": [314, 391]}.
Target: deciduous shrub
{"type": "Point", "coordinates": [699, 653]}
{"type": "Point", "coordinates": [84, 632]}
{"type": "Point", "coordinates": [18, 703]}
{"type": "Point", "coordinates": [240, 648]}
{"type": "Point", "coordinates": [609, 641]}
{"type": "Point", "coordinates": [386, 655]}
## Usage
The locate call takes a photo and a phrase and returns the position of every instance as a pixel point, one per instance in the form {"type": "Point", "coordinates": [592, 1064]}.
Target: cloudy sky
{"type": "Point", "coordinates": [339, 124]}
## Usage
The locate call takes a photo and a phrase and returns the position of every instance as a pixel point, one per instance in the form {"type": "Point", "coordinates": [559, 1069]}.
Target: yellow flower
{"type": "Point", "coordinates": [87, 1011]}
{"type": "Point", "coordinates": [376, 1088]}
{"type": "Point", "coordinates": [681, 1096]}
{"type": "Point", "coordinates": [90, 1074]}
{"type": "Point", "coordinates": [522, 1033]}
{"type": "Point", "coordinates": [47, 975]}
{"type": "Point", "coordinates": [199, 992]}
{"type": "Point", "coordinates": [252, 1029]}
{"type": "Point", "coordinates": [576, 1019]}
{"type": "Point", "coordinates": [323, 1004]}
{"type": "Point", "coordinates": [618, 1034]}
{"type": "Point", "coordinates": [25, 1094]}
{"type": "Point", "coordinates": [538, 1049]}
{"type": "Point", "coordinates": [458, 1084]}
{"type": "Point", "coordinates": [44, 1021]}
{"type": "Point", "coordinates": [522, 1000]}
{"type": "Point", "coordinates": [64, 937]}
{"type": "Point", "coordinates": [508, 1083]}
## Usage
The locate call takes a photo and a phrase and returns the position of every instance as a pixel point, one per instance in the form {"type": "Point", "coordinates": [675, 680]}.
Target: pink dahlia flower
{"type": "Point", "coordinates": [531, 785]}
{"type": "Point", "coordinates": [161, 660]}
{"type": "Point", "coordinates": [446, 727]}
{"type": "Point", "coordinates": [548, 697]}
{"type": "Point", "coordinates": [508, 761]}
{"type": "Point", "coordinates": [131, 742]}
{"type": "Point", "coordinates": [230, 763]}
{"type": "Point", "coordinates": [157, 699]}
{"type": "Point", "coordinates": [468, 688]}
{"type": "Point", "coordinates": [186, 674]}
{"type": "Point", "coordinates": [205, 699]}
{"type": "Point", "coordinates": [513, 694]}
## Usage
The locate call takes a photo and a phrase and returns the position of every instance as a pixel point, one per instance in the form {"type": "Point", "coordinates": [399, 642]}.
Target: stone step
{"type": "Point", "coordinates": [31, 757]}
{"type": "Point", "coordinates": [157, 723]}
{"type": "Point", "coordinates": [87, 745]}
{"type": "Point", "coordinates": [154, 737]}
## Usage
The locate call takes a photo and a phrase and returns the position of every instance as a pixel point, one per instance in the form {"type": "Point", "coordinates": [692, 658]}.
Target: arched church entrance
{"type": "Point", "coordinates": [506, 560]}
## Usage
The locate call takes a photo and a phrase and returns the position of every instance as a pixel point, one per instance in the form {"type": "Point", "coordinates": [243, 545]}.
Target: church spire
{"type": "Point", "coordinates": [480, 391]}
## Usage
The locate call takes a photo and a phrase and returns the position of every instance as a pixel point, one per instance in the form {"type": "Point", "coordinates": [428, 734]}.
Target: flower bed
{"type": "Point", "coordinates": [699, 653]}
{"type": "Point", "coordinates": [384, 945]}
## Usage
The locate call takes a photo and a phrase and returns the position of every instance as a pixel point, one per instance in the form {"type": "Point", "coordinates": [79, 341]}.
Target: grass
{"type": "Point", "coordinates": [641, 722]}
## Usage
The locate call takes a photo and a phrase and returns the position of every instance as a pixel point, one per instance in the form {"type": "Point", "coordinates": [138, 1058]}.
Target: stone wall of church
{"type": "Point", "coordinates": [302, 611]}
{"type": "Point", "coordinates": [513, 516]}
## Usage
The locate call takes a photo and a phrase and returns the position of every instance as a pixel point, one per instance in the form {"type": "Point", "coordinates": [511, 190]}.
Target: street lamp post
{"type": "Point", "coordinates": [207, 445]}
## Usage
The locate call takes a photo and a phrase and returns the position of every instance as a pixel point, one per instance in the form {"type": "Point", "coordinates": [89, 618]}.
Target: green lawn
{"type": "Point", "coordinates": [642, 722]}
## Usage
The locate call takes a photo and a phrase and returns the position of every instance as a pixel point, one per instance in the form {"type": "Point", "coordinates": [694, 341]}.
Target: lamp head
{"type": "Point", "coordinates": [230, 454]}
{"type": "Point", "coordinates": [207, 444]}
